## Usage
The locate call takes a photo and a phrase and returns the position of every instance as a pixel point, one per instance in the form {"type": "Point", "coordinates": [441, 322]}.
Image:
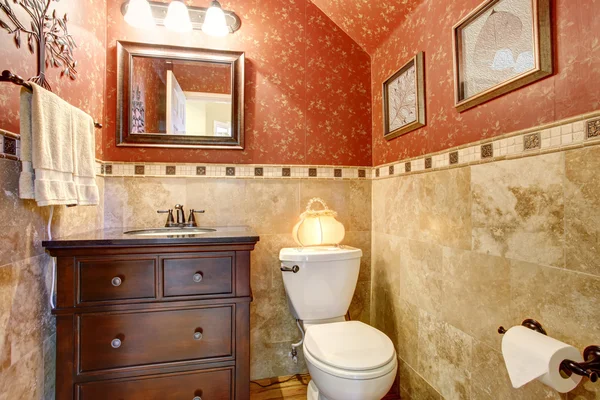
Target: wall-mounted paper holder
{"type": "Point", "coordinates": [589, 368]}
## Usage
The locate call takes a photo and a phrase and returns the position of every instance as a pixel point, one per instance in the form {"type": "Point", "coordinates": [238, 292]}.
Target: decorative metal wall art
{"type": "Point", "coordinates": [45, 33]}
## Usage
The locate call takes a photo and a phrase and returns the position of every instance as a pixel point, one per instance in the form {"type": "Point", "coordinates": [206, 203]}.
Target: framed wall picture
{"type": "Point", "coordinates": [404, 99]}
{"type": "Point", "coordinates": [501, 46]}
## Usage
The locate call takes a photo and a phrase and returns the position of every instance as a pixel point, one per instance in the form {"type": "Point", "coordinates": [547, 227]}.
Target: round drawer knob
{"type": "Point", "coordinates": [198, 277]}
{"type": "Point", "coordinates": [116, 281]}
{"type": "Point", "coordinates": [197, 335]}
{"type": "Point", "coordinates": [116, 343]}
{"type": "Point", "coordinates": [197, 398]}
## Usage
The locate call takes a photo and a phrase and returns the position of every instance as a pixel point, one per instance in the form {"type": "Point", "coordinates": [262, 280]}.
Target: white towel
{"type": "Point", "coordinates": [84, 158]}
{"type": "Point", "coordinates": [48, 128]}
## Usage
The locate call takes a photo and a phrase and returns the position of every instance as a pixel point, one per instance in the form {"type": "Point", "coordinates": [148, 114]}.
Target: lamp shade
{"type": "Point", "coordinates": [178, 17]}
{"type": "Point", "coordinates": [318, 227]}
{"type": "Point", "coordinates": [214, 21]}
{"type": "Point", "coordinates": [139, 14]}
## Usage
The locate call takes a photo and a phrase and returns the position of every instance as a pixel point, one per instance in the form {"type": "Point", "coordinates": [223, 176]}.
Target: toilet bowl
{"type": "Point", "coordinates": [347, 360]}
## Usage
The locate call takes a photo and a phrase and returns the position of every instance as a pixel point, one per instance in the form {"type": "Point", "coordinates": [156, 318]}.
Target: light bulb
{"type": "Point", "coordinates": [178, 17]}
{"type": "Point", "coordinates": [214, 21]}
{"type": "Point", "coordinates": [139, 14]}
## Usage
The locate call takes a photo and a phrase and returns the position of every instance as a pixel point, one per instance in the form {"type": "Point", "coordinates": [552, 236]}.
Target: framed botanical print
{"type": "Point", "coordinates": [404, 99]}
{"type": "Point", "coordinates": [501, 46]}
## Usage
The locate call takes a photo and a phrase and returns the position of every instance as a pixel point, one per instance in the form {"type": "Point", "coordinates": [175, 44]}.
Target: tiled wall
{"type": "Point", "coordinates": [457, 252]}
{"type": "Point", "coordinates": [27, 329]}
{"type": "Point", "coordinates": [271, 207]}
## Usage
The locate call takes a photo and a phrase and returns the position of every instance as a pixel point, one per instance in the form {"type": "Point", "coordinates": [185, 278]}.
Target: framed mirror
{"type": "Point", "coordinates": [171, 96]}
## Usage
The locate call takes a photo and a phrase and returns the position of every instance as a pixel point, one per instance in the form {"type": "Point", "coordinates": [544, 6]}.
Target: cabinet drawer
{"type": "Point", "coordinates": [106, 279]}
{"type": "Point", "coordinates": [119, 340]}
{"type": "Point", "coordinates": [209, 385]}
{"type": "Point", "coordinates": [195, 276]}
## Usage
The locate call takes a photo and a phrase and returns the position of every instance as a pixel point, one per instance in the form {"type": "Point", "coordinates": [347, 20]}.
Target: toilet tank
{"type": "Point", "coordinates": [323, 286]}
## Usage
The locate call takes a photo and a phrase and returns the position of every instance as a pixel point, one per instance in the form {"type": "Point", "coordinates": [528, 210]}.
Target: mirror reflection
{"type": "Point", "coordinates": [180, 97]}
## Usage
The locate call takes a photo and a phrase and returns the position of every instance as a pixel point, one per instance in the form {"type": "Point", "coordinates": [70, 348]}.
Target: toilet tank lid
{"type": "Point", "coordinates": [350, 345]}
{"type": "Point", "coordinates": [319, 253]}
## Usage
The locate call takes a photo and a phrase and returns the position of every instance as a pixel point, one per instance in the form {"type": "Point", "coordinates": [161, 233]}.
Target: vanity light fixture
{"type": "Point", "coordinates": [214, 20]}
{"type": "Point", "coordinates": [139, 14]}
{"type": "Point", "coordinates": [178, 17]}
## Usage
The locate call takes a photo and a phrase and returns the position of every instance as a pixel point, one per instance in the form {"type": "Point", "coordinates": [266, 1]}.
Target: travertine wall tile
{"type": "Point", "coordinates": [582, 210]}
{"type": "Point", "coordinates": [533, 227]}
{"type": "Point", "coordinates": [518, 209]}
{"type": "Point", "coordinates": [445, 208]}
{"type": "Point", "coordinates": [445, 357]}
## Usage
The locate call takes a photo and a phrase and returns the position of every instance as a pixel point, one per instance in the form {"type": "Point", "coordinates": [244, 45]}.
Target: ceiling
{"type": "Point", "coordinates": [367, 22]}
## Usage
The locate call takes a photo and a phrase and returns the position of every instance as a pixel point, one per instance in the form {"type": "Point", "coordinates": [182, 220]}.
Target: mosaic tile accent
{"type": "Point", "coordinates": [487, 150]}
{"type": "Point", "coordinates": [362, 173]}
{"type": "Point", "coordinates": [533, 141]}
{"type": "Point", "coordinates": [171, 170]}
{"type": "Point", "coordinates": [108, 169]}
{"type": "Point", "coordinates": [312, 172]}
{"type": "Point", "coordinates": [593, 128]}
{"type": "Point", "coordinates": [230, 171]}
{"type": "Point", "coordinates": [453, 157]}
{"type": "Point", "coordinates": [377, 172]}
{"type": "Point", "coordinates": [259, 171]}
{"type": "Point", "coordinates": [102, 169]}
{"type": "Point", "coordinates": [428, 163]}
{"type": "Point", "coordinates": [337, 173]}
{"type": "Point", "coordinates": [10, 146]}
{"type": "Point", "coordinates": [391, 169]}
{"type": "Point", "coordinates": [407, 167]}
{"type": "Point", "coordinates": [286, 172]}
{"type": "Point", "coordinates": [139, 170]}
{"type": "Point", "coordinates": [201, 171]}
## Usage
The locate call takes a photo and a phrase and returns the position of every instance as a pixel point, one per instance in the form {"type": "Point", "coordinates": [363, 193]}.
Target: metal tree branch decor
{"type": "Point", "coordinates": [45, 33]}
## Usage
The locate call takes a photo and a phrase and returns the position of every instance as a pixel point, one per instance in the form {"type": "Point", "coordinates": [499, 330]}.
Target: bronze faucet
{"type": "Point", "coordinates": [181, 221]}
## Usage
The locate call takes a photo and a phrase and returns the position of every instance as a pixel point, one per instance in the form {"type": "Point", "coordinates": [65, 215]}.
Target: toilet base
{"type": "Point", "coordinates": [312, 393]}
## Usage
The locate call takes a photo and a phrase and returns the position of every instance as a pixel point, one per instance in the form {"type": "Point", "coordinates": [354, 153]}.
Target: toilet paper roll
{"type": "Point", "coordinates": [530, 355]}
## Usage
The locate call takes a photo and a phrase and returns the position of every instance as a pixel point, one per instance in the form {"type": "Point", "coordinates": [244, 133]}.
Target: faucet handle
{"type": "Point", "coordinates": [192, 219]}
{"type": "Point", "coordinates": [170, 219]}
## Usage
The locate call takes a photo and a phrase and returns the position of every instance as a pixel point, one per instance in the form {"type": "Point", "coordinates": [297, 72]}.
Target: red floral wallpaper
{"type": "Point", "coordinates": [87, 24]}
{"type": "Point", "coordinates": [308, 95]}
{"type": "Point", "coordinates": [572, 90]}
{"type": "Point", "coordinates": [205, 78]}
{"type": "Point", "coordinates": [150, 77]}
{"type": "Point", "coordinates": [368, 22]}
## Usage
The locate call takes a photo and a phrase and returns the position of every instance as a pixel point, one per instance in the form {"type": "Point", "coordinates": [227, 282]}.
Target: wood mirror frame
{"type": "Point", "coordinates": [125, 53]}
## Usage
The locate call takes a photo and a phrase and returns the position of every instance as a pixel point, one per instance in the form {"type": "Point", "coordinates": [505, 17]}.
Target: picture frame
{"type": "Point", "coordinates": [499, 47]}
{"type": "Point", "coordinates": [404, 99]}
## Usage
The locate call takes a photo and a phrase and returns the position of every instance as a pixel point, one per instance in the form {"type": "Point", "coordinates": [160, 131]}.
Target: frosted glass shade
{"type": "Point", "coordinates": [214, 21]}
{"type": "Point", "coordinates": [319, 231]}
{"type": "Point", "coordinates": [178, 17]}
{"type": "Point", "coordinates": [139, 14]}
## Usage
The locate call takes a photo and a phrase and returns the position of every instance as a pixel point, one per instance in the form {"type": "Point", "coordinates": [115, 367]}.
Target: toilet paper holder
{"type": "Point", "coordinates": [589, 368]}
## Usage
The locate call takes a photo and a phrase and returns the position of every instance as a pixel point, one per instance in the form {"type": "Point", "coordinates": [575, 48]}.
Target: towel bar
{"type": "Point", "coordinates": [8, 76]}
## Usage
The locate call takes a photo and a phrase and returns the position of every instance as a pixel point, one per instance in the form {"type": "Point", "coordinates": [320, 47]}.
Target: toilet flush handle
{"type": "Point", "coordinates": [293, 269]}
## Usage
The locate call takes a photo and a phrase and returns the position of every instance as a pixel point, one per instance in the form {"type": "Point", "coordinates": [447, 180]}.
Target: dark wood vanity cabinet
{"type": "Point", "coordinates": [153, 322]}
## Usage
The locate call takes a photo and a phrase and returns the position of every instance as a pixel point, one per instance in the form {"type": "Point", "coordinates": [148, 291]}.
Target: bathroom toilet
{"type": "Point", "coordinates": [347, 360]}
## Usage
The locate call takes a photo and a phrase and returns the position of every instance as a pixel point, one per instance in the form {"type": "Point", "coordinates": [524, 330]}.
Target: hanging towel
{"type": "Point", "coordinates": [84, 158]}
{"type": "Point", "coordinates": [48, 127]}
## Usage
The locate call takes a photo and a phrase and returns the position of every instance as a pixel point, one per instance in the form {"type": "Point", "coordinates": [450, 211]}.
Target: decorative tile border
{"type": "Point", "coordinates": [237, 171]}
{"type": "Point", "coordinates": [571, 133]}
{"type": "Point", "coordinates": [10, 145]}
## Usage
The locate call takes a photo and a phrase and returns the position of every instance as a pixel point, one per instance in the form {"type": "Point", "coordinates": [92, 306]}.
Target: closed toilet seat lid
{"type": "Point", "coordinates": [350, 345]}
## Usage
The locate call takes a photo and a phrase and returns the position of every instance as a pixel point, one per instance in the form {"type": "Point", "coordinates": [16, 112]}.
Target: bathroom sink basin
{"type": "Point", "coordinates": [175, 231]}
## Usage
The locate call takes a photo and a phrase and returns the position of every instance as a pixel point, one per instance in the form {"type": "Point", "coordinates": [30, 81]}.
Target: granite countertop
{"type": "Point", "coordinates": [117, 237]}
